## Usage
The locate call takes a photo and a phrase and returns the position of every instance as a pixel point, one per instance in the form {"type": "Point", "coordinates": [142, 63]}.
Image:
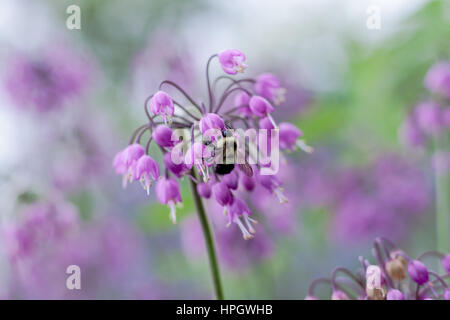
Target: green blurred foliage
{"type": "Point", "coordinates": [383, 81]}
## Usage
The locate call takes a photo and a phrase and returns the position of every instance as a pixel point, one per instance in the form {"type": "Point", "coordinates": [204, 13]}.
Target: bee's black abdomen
{"type": "Point", "coordinates": [223, 169]}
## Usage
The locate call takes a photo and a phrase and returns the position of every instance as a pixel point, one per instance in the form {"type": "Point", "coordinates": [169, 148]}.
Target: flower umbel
{"type": "Point", "coordinates": [207, 138]}
{"type": "Point", "coordinates": [395, 273]}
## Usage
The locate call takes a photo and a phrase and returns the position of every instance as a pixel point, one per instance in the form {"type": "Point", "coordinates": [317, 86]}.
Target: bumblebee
{"type": "Point", "coordinates": [226, 155]}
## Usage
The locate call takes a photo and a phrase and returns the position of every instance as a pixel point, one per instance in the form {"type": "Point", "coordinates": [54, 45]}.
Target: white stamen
{"type": "Point", "coordinates": [244, 231]}
{"type": "Point", "coordinates": [173, 212]}
{"type": "Point", "coordinates": [249, 226]}
{"type": "Point", "coordinates": [279, 193]}
{"type": "Point", "coordinates": [272, 121]}
{"type": "Point", "coordinates": [252, 220]}
{"type": "Point", "coordinates": [303, 146]}
{"type": "Point", "coordinates": [225, 211]}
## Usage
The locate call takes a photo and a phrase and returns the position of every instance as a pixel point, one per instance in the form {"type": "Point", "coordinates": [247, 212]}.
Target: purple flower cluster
{"type": "Point", "coordinates": [168, 121]}
{"type": "Point", "coordinates": [42, 224]}
{"type": "Point", "coordinates": [49, 237]}
{"type": "Point", "coordinates": [46, 83]}
{"type": "Point", "coordinates": [387, 196]}
{"type": "Point", "coordinates": [383, 198]}
{"type": "Point", "coordinates": [393, 276]}
{"type": "Point", "coordinates": [430, 119]}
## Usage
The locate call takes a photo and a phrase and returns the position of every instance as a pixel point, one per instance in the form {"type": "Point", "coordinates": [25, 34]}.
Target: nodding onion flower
{"type": "Point", "coordinates": [200, 140]}
{"type": "Point", "coordinates": [394, 276]}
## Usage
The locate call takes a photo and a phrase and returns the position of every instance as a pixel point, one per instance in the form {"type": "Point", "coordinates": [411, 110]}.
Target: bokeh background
{"type": "Point", "coordinates": [69, 100]}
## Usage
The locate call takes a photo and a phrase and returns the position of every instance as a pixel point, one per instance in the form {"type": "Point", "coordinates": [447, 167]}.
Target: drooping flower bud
{"type": "Point", "coordinates": [232, 61]}
{"type": "Point", "coordinates": [147, 170]}
{"type": "Point", "coordinates": [240, 209]}
{"type": "Point", "coordinates": [268, 86]}
{"type": "Point", "coordinates": [231, 180]}
{"type": "Point", "coordinates": [132, 153]}
{"type": "Point", "coordinates": [273, 185]}
{"type": "Point", "coordinates": [168, 192]}
{"type": "Point", "coordinates": [161, 104]}
{"type": "Point", "coordinates": [163, 136]}
{"type": "Point", "coordinates": [125, 162]}
{"type": "Point", "coordinates": [209, 122]}
{"type": "Point", "coordinates": [289, 138]}
{"type": "Point", "coordinates": [247, 182]}
{"type": "Point", "coordinates": [266, 123]}
{"type": "Point", "coordinates": [445, 262]}
{"type": "Point", "coordinates": [397, 266]}
{"type": "Point", "coordinates": [242, 100]}
{"type": "Point", "coordinates": [177, 169]}
{"type": "Point", "coordinates": [119, 163]}
{"type": "Point", "coordinates": [339, 295]}
{"type": "Point", "coordinates": [394, 294]}
{"type": "Point", "coordinates": [221, 194]}
{"type": "Point", "coordinates": [204, 190]}
{"type": "Point", "coordinates": [260, 107]}
{"type": "Point", "coordinates": [418, 272]}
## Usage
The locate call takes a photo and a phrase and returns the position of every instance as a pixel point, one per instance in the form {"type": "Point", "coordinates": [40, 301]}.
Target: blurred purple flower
{"type": "Point", "coordinates": [382, 199]}
{"type": "Point", "coordinates": [46, 82]}
{"type": "Point", "coordinates": [50, 237]}
{"type": "Point", "coordinates": [268, 86]}
{"type": "Point", "coordinates": [437, 79]}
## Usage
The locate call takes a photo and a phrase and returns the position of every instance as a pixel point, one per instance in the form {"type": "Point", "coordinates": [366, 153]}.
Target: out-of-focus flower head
{"type": "Point", "coordinates": [49, 237]}
{"type": "Point", "coordinates": [47, 81]}
{"type": "Point", "coordinates": [430, 120]}
{"type": "Point", "coordinates": [375, 282]}
{"type": "Point", "coordinates": [437, 79]}
{"type": "Point", "coordinates": [384, 198]}
{"type": "Point", "coordinates": [41, 224]}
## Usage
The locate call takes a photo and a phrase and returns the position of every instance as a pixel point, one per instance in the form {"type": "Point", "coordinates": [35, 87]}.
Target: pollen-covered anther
{"type": "Point", "coordinates": [248, 222]}
{"type": "Point", "coordinates": [245, 233]}
{"type": "Point", "coordinates": [280, 195]}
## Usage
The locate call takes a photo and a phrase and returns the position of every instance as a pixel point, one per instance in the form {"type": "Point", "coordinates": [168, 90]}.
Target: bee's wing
{"type": "Point", "coordinates": [247, 169]}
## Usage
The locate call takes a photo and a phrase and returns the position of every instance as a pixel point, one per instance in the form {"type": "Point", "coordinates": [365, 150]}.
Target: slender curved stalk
{"type": "Point", "coordinates": [208, 84]}
{"type": "Point", "coordinates": [209, 241]}
{"type": "Point", "coordinates": [184, 93]}
{"type": "Point", "coordinates": [441, 178]}
{"type": "Point", "coordinates": [227, 94]}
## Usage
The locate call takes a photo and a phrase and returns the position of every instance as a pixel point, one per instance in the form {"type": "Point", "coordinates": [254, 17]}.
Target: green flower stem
{"type": "Point", "coordinates": [442, 210]}
{"type": "Point", "coordinates": [442, 191]}
{"type": "Point", "coordinates": [209, 241]}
